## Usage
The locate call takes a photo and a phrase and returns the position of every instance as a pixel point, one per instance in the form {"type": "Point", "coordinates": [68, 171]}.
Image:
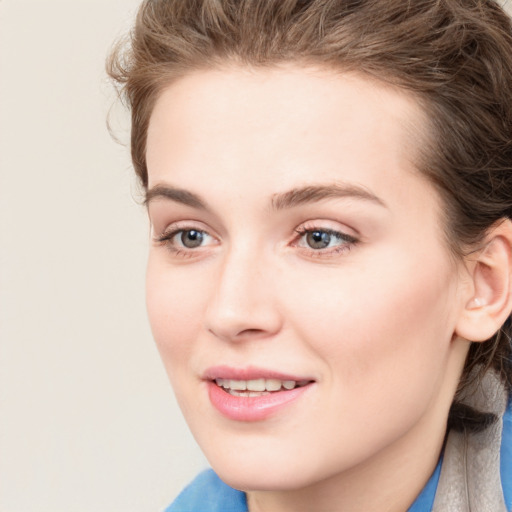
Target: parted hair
{"type": "Point", "coordinates": [453, 56]}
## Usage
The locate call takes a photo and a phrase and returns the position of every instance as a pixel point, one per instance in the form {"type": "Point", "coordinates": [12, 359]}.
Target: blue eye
{"type": "Point", "coordinates": [181, 239]}
{"type": "Point", "coordinates": [191, 238]}
{"type": "Point", "coordinates": [318, 239]}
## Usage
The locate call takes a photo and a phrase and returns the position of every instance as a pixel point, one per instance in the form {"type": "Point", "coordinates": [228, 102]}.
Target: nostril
{"type": "Point", "coordinates": [239, 335]}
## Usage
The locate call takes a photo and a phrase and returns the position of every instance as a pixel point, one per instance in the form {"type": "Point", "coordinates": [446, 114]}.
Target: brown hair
{"type": "Point", "coordinates": [455, 56]}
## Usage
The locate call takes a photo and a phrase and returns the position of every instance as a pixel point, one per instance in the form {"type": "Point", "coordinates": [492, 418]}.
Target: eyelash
{"type": "Point", "coordinates": [349, 241]}
{"type": "Point", "coordinates": [166, 239]}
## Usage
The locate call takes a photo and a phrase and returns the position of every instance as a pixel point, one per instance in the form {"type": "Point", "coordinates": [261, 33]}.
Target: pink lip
{"type": "Point", "coordinates": [255, 408]}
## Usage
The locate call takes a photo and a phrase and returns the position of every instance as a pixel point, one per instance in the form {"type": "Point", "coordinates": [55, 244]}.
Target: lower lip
{"type": "Point", "coordinates": [254, 408]}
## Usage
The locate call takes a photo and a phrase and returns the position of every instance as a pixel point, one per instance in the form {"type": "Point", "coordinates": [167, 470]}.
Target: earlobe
{"type": "Point", "coordinates": [490, 302]}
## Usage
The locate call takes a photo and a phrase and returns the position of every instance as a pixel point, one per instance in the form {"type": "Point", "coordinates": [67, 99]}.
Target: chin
{"type": "Point", "coordinates": [264, 471]}
{"type": "Point", "coordinates": [263, 478]}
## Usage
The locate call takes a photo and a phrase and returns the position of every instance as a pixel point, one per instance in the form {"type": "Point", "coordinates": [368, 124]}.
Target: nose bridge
{"type": "Point", "coordinates": [243, 303]}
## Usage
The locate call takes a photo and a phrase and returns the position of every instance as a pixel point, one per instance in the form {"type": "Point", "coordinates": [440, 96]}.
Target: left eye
{"type": "Point", "coordinates": [324, 239]}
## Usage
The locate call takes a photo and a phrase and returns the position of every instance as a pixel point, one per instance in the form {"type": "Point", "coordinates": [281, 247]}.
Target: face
{"type": "Point", "coordinates": [299, 287]}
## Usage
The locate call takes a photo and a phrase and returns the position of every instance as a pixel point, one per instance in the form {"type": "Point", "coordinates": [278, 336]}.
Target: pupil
{"type": "Point", "coordinates": [318, 239]}
{"type": "Point", "coordinates": [191, 238]}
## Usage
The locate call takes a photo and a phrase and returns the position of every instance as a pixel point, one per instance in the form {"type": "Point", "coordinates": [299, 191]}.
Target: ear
{"type": "Point", "coordinates": [489, 301]}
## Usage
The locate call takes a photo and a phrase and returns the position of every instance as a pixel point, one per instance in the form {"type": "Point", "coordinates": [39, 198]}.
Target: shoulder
{"type": "Point", "coordinates": [208, 493]}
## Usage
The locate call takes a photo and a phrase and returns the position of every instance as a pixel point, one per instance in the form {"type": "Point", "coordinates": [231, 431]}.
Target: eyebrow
{"type": "Point", "coordinates": [177, 195]}
{"type": "Point", "coordinates": [314, 193]}
{"type": "Point", "coordinates": [282, 201]}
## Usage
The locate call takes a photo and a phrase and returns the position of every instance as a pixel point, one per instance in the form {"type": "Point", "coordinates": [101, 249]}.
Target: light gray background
{"type": "Point", "coordinates": [88, 421]}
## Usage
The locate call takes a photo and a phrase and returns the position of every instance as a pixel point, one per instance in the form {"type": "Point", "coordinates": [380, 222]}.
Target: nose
{"type": "Point", "coordinates": [243, 304]}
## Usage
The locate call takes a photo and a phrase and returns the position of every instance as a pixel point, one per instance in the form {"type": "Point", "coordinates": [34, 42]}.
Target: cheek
{"type": "Point", "coordinates": [379, 327]}
{"type": "Point", "coordinates": [174, 302]}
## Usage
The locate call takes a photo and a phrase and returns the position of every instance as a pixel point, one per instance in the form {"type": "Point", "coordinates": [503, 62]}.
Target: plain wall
{"type": "Point", "coordinates": [88, 421]}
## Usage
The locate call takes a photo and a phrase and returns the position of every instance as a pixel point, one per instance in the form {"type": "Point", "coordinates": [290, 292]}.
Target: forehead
{"type": "Point", "coordinates": [281, 124]}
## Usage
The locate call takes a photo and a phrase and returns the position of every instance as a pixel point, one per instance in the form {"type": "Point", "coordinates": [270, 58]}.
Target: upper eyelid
{"type": "Point", "coordinates": [183, 225]}
{"type": "Point", "coordinates": [168, 234]}
{"type": "Point", "coordinates": [303, 230]}
{"type": "Point", "coordinates": [327, 225]}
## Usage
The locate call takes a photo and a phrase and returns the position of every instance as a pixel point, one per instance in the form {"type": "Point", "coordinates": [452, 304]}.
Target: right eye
{"type": "Point", "coordinates": [180, 239]}
{"type": "Point", "coordinates": [190, 238]}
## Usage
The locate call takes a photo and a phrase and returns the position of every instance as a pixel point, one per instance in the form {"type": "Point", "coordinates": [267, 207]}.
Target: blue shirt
{"type": "Point", "coordinates": [208, 493]}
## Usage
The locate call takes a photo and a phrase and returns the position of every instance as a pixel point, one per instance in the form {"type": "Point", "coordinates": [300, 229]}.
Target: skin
{"type": "Point", "coordinates": [373, 322]}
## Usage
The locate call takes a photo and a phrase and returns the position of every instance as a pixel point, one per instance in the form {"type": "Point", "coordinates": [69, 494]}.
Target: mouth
{"type": "Point", "coordinates": [253, 394]}
{"type": "Point", "coordinates": [258, 387]}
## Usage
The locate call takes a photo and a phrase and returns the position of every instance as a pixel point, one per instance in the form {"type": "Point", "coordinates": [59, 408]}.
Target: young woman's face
{"type": "Point", "coordinates": [296, 249]}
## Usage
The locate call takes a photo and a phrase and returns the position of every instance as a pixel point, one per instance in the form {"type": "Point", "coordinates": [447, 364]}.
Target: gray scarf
{"type": "Point", "coordinates": [470, 478]}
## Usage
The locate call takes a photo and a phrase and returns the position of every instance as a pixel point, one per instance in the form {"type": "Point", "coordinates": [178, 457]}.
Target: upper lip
{"type": "Point", "coordinates": [248, 373]}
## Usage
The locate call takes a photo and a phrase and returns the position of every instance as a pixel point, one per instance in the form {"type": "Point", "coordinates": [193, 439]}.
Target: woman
{"type": "Point", "coordinates": [329, 185]}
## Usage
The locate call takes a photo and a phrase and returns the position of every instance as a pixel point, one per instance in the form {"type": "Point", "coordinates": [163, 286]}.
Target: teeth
{"type": "Point", "coordinates": [256, 387]}
{"type": "Point", "coordinates": [247, 393]}
{"type": "Point", "coordinates": [272, 385]}
{"type": "Point", "coordinates": [238, 385]}
{"type": "Point", "coordinates": [256, 393]}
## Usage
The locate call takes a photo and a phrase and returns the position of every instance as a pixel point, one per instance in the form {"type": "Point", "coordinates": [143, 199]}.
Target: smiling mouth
{"type": "Point", "coordinates": [258, 387]}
